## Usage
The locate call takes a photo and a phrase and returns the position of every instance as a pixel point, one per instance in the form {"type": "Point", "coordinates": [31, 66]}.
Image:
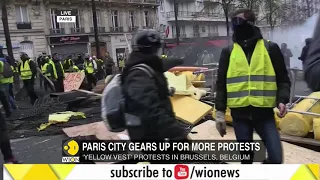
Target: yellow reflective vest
{"type": "Point", "coordinates": [89, 67]}
{"type": "Point", "coordinates": [44, 69]}
{"type": "Point", "coordinates": [25, 71]}
{"type": "Point", "coordinates": [121, 63]}
{"type": "Point", "coordinates": [164, 56]}
{"type": "Point", "coordinates": [254, 84]}
{"type": "Point", "coordinates": [55, 69]}
{"type": "Point", "coordinates": [11, 79]}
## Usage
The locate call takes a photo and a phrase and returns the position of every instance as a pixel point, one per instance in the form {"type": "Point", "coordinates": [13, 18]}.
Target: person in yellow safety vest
{"type": "Point", "coordinates": [47, 70]}
{"type": "Point", "coordinates": [5, 82]}
{"type": "Point", "coordinates": [122, 63]}
{"type": "Point", "coordinates": [68, 63]}
{"type": "Point", "coordinates": [100, 68]}
{"type": "Point", "coordinates": [28, 72]}
{"type": "Point", "coordinates": [90, 70]}
{"type": "Point", "coordinates": [58, 73]}
{"type": "Point", "coordinates": [252, 80]}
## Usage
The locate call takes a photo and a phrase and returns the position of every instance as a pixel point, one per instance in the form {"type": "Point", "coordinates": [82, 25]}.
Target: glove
{"type": "Point", "coordinates": [221, 124]}
{"type": "Point", "coordinates": [172, 90]}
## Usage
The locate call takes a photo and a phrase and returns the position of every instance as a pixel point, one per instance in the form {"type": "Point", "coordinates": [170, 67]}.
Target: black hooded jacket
{"type": "Point", "coordinates": [283, 81]}
{"type": "Point", "coordinates": [148, 99]}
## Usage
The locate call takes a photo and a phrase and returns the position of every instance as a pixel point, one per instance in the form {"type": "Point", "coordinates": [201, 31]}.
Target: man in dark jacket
{"type": "Point", "coordinates": [287, 54]}
{"type": "Point", "coordinates": [305, 50]}
{"type": "Point", "coordinates": [28, 72]}
{"type": "Point", "coordinates": [109, 64]}
{"type": "Point", "coordinates": [59, 76]}
{"type": "Point", "coordinates": [312, 62]}
{"type": "Point", "coordinates": [147, 98]}
{"type": "Point", "coordinates": [79, 60]}
{"type": "Point", "coordinates": [250, 103]}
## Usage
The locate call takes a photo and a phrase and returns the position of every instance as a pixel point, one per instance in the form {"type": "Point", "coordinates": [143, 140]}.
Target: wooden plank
{"type": "Point", "coordinates": [188, 109]}
{"type": "Point", "coordinates": [292, 154]}
{"type": "Point", "coordinates": [300, 141]}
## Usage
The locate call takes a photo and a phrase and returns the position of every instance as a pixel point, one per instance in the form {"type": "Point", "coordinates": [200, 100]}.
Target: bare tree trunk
{"type": "Point", "coordinates": [308, 8]}
{"type": "Point", "coordinates": [227, 26]}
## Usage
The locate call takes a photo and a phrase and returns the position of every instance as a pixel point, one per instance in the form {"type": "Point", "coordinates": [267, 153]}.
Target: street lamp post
{"type": "Point", "coordinates": [95, 27]}
{"type": "Point", "coordinates": [6, 29]}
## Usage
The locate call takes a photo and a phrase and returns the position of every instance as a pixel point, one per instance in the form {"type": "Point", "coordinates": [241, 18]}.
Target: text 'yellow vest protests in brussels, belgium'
{"type": "Point", "coordinates": [253, 84]}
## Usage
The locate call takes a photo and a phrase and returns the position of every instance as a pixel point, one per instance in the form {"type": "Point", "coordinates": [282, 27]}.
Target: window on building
{"type": "Point", "coordinates": [77, 24]}
{"type": "Point", "coordinates": [98, 12]}
{"type": "Point", "coordinates": [161, 6]}
{"type": "Point", "coordinates": [146, 18]}
{"type": "Point", "coordinates": [131, 18]}
{"type": "Point", "coordinates": [22, 15]}
{"type": "Point", "coordinates": [54, 23]}
{"type": "Point", "coordinates": [182, 29]}
{"type": "Point", "coordinates": [203, 29]}
{"type": "Point", "coordinates": [173, 30]}
{"type": "Point", "coordinates": [114, 18]}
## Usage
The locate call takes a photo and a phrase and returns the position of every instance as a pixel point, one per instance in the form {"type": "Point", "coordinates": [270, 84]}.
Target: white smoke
{"type": "Point", "coordinates": [295, 38]}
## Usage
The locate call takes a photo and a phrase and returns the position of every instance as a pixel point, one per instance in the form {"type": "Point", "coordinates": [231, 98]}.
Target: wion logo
{"type": "Point", "coordinates": [70, 152]}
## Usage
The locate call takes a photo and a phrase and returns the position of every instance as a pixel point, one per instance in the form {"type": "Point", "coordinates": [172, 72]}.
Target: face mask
{"type": "Point", "coordinates": [238, 22]}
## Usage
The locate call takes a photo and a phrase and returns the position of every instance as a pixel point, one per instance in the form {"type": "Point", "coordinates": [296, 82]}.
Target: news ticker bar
{"type": "Point", "coordinates": [164, 171]}
{"type": "Point", "coordinates": [176, 151]}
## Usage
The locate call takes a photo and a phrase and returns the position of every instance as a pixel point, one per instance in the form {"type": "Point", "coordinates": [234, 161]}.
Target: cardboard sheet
{"type": "Point", "coordinates": [292, 154]}
{"type": "Point", "coordinates": [73, 81]}
{"type": "Point", "coordinates": [98, 129]}
{"type": "Point", "coordinates": [188, 109]}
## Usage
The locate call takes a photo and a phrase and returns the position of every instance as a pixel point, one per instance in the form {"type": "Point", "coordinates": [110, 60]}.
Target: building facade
{"type": "Point", "coordinates": [34, 28]}
{"type": "Point", "coordinates": [195, 18]}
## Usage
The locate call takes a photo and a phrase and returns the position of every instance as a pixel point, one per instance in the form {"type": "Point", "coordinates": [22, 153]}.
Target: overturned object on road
{"type": "Point", "coordinates": [300, 124]}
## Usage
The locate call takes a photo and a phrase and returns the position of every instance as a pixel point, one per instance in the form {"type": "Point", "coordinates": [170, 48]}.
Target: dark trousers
{"type": "Point", "coordinates": [11, 90]}
{"type": "Point", "coordinates": [4, 140]}
{"type": "Point", "coordinates": [267, 130]}
{"type": "Point", "coordinates": [29, 86]}
{"type": "Point", "coordinates": [4, 100]}
{"type": "Point", "coordinates": [58, 84]}
{"type": "Point", "coordinates": [92, 81]}
{"type": "Point", "coordinates": [46, 84]}
{"type": "Point", "coordinates": [109, 71]}
{"type": "Point", "coordinates": [100, 74]}
{"type": "Point", "coordinates": [41, 81]}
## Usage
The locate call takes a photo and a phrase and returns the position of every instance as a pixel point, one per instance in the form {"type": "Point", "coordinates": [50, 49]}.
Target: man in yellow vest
{"type": "Point", "coordinates": [5, 82]}
{"type": "Point", "coordinates": [90, 69]}
{"type": "Point", "coordinates": [121, 63]}
{"type": "Point", "coordinates": [100, 67]}
{"type": "Point", "coordinates": [47, 70]}
{"type": "Point", "coordinates": [252, 80]}
{"type": "Point", "coordinates": [58, 73]}
{"type": "Point", "coordinates": [28, 72]}
{"type": "Point", "coordinates": [68, 63]}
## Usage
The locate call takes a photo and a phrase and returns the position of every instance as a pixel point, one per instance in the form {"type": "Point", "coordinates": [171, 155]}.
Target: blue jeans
{"type": "Point", "coordinates": [10, 98]}
{"type": "Point", "coordinates": [267, 130]}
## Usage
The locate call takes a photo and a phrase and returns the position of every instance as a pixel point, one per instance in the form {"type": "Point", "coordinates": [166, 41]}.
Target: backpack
{"type": "Point", "coordinates": [113, 101]}
{"type": "Point", "coordinates": [7, 70]}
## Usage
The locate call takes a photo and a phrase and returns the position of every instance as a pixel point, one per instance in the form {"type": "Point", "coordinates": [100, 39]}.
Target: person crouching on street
{"type": "Point", "coordinates": [252, 80]}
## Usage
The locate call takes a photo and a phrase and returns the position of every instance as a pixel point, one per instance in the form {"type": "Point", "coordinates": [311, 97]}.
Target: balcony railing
{"type": "Point", "coordinates": [189, 14]}
{"type": "Point", "coordinates": [24, 25]}
{"type": "Point", "coordinates": [151, 1]}
{"type": "Point", "coordinates": [116, 29]}
{"type": "Point", "coordinates": [77, 30]}
{"type": "Point", "coordinates": [57, 31]}
{"type": "Point", "coordinates": [100, 29]}
{"type": "Point", "coordinates": [180, 36]}
{"type": "Point", "coordinates": [135, 28]}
